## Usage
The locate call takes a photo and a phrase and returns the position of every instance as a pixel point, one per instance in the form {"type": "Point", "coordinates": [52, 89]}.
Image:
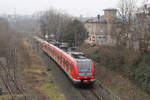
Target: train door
{"type": "Point", "coordinates": [49, 50]}
{"type": "Point", "coordinates": [67, 65]}
{"type": "Point", "coordinates": [59, 60]}
{"type": "Point", "coordinates": [41, 45]}
{"type": "Point", "coordinates": [63, 62]}
{"type": "Point", "coordinates": [55, 55]}
{"type": "Point", "coordinates": [52, 53]}
{"type": "Point", "coordinates": [45, 47]}
{"type": "Point", "coordinates": [70, 67]}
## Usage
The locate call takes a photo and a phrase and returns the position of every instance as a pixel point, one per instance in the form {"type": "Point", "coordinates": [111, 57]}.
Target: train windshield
{"type": "Point", "coordinates": [84, 67]}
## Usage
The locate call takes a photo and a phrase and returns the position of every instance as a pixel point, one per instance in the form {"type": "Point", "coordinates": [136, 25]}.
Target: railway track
{"type": "Point", "coordinates": [96, 95]}
{"type": "Point", "coordinates": [8, 72]}
{"type": "Point", "coordinates": [90, 93]}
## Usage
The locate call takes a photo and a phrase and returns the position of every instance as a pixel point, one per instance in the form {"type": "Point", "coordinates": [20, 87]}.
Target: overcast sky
{"type": "Point", "coordinates": [73, 7]}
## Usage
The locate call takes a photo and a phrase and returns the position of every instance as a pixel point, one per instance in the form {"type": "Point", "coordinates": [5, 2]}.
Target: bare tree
{"type": "Point", "coordinates": [127, 9]}
{"type": "Point", "coordinates": [143, 26]}
{"type": "Point", "coordinates": [52, 22]}
{"type": "Point", "coordinates": [4, 36]}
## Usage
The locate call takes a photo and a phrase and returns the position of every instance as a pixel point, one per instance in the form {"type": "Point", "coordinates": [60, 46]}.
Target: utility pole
{"type": "Point", "coordinates": [75, 39]}
{"type": "Point", "coordinates": [15, 14]}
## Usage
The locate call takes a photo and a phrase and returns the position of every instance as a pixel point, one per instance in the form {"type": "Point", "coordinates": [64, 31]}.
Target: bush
{"type": "Point", "coordinates": [132, 64]}
{"type": "Point", "coordinates": [141, 74]}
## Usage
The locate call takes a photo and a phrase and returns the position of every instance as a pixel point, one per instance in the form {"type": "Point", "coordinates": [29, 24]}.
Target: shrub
{"type": "Point", "coordinates": [132, 64]}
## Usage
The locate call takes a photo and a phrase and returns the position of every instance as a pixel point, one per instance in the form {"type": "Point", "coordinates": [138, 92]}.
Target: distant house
{"type": "Point", "coordinates": [100, 28]}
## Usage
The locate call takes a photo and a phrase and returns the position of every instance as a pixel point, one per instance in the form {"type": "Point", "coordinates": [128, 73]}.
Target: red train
{"type": "Point", "coordinates": [79, 68]}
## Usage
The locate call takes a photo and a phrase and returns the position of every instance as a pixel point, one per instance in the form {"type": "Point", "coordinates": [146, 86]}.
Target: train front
{"type": "Point", "coordinates": [84, 68]}
{"type": "Point", "coordinates": [86, 71]}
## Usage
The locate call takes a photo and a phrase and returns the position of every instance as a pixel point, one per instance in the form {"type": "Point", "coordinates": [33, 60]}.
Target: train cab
{"type": "Point", "coordinates": [85, 68]}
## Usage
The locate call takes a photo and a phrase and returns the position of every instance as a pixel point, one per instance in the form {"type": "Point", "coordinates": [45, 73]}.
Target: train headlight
{"type": "Point", "coordinates": [78, 77]}
{"type": "Point", "coordinates": [92, 77]}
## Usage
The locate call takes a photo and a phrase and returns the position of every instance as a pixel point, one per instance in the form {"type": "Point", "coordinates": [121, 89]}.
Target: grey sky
{"type": "Point", "coordinates": [74, 7]}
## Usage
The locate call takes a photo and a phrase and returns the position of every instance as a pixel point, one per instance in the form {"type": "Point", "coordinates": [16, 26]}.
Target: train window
{"type": "Point", "coordinates": [58, 57]}
{"type": "Point", "coordinates": [70, 66]}
{"type": "Point", "coordinates": [84, 67]}
{"type": "Point", "coordinates": [45, 47]}
{"type": "Point", "coordinates": [62, 60]}
{"type": "Point", "coordinates": [65, 62]}
{"type": "Point", "coordinates": [49, 49]}
{"type": "Point", "coordinates": [54, 53]}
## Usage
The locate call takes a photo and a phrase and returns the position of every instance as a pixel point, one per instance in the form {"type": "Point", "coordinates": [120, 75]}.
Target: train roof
{"type": "Point", "coordinates": [77, 55]}
{"type": "Point", "coordinates": [60, 50]}
{"type": "Point", "coordinates": [70, 54]}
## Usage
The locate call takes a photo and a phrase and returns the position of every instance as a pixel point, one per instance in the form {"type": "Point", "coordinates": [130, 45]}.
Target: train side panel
{"type": "Point", "coordinates": [65, 63]}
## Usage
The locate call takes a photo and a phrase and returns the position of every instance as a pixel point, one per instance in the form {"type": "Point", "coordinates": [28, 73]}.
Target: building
{"type": "Point", "coordinates": [100, 29]}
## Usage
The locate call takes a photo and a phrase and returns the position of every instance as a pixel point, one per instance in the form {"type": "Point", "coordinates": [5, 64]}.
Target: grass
{"type": "Point", "coordinates": [7, 96]}
{"type": "Point", "coordinates": [52, 91]}
{"type": "Point", "coordinates": [37, 76]}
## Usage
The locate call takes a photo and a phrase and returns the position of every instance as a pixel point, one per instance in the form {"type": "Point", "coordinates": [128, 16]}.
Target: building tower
{"type": "Point", "coordinates": [110, 16]}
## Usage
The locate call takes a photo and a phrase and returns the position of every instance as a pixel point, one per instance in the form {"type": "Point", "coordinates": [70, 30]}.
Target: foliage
{"type": "Point", "coordinates": [141, 74]}
{"type": "Point", "coordinates": [52, 22]}
{"type": "Point", "coordinates": [62, 26]}
{"type": "Point", "coordinates": [74, 33]}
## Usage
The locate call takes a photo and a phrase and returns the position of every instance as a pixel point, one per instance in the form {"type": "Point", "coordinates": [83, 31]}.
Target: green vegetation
{"type": "Point", "coordinates": [36, 74]}
{"type": "Point", "coordinates": [132, 64]}
{"type": "Point", "coordinates": [74, 33]}
{"type": "Point", "coordinates": [52, 92]}
{"type": "Point", "coordinates": [49, 89]}
{"type": "Point", "coordinates": [62, 27]}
